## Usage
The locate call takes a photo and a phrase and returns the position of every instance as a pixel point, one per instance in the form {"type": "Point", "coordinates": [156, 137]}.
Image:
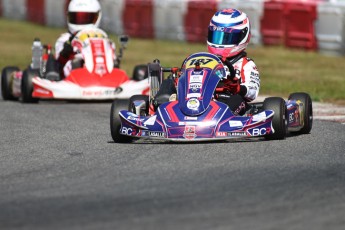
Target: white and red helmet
{"type": "Point", "coordinates": [228, 33]}
{"type": "Point", "coordinates": [83, 14]}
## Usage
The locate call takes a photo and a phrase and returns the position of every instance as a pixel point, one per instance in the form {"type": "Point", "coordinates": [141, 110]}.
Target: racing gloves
{"type": "Point", "coordinates": [67, 50]}
{"type": "Point", "coordinates": [232, 85]}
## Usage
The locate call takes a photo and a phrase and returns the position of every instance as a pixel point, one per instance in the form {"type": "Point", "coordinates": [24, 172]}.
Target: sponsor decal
{"type": "Point", "coordinates": [193, 103]}
{"type": "Point", "coordinates": [259, 117]}
{"type": "Point", "coordinates": [100, 93]}
{"type": "Point", "coordinates": [237, 134]}
{"type": "Point", "coordinates": [42, 91]}
{"type": "Point", "coordinates": [204, 62]}
{"type": "Point", "coordinates": [190, 118]}
{"type": "Point", "coordinates": [155, 134]}
{"type": "Point", "coordinates": [134, 118]}
{"type": "Point", "coordinates": [240, 107]}
{"type": "Point", "coordinates": [235, 123]}
{"type": "Point", "coordinates": [254, 74]}
{"type": "Point", "coordinates": [189, 132]}
{"type": "Point", "coordinates": [220, 74]}
{"type": "Point", "coordinates": [198, 72]}
{"type": "Point", "coordinates": [238, 73]}
{"type": "Point", "coordinates": [290, 106]}
{"type": "Point", "coordinates": [189, 95]}
{"type": "Point", "coordinates": [260, 131]}
{"type": "Point", "coordinates": [151, 120]}
{"type": "Point", "coordinates": [196, 78]}
{"type": "Point", "coordinates": [291, 117]}
{"type": "Point", "coordinates": [127, 131]}
{"type": "Point", "coordinates": [195, 86]}
{"type": "Point", "coordinates": [99, 60]}
{"type": "Point", "coordinates": [221, 134]}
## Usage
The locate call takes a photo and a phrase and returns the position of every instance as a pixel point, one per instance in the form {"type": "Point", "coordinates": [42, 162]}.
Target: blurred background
{"type": "Point", "coordinates": [298, 45]}
{"type": "Point", "coordinates": [306, 24]}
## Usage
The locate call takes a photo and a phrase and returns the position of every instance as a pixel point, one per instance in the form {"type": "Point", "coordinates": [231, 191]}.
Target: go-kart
{"type": "Point", "coordinates": [196, 116]}
{"type": "Point", "coordinates": [95, 74]}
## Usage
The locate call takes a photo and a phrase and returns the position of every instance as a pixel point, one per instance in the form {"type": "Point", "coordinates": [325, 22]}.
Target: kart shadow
{"type": "Point", "coordinates": [144, 141]}
{"type": "Point", "coordinates": [169, 142]}
{"type": "Point", "coordinates": [64, 101]}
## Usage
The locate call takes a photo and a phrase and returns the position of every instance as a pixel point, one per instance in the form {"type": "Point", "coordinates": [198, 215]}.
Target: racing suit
{"type": "Point", "coordinates": [241, 86]}
{"type": "Point", "coordinates": [64, 53]}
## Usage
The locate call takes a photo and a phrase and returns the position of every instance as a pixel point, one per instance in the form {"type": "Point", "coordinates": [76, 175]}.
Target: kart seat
{"type": "Point", "coordinates": [53, 76]}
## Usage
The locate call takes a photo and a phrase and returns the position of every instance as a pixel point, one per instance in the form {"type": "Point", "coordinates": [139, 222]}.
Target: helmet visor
{"type": "Point", "coordinates": [82, 18]}
{"type": "Point", "coordinates": [231, 37]}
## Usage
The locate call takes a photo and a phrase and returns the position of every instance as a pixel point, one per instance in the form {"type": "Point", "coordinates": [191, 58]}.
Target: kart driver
{"type": "Point", "coordinates": [228, 37]}
{"type": "Point", "coordinates": [82, 14]}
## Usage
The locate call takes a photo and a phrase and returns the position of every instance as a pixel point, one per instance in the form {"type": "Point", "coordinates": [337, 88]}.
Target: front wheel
{"type": "Point", "coordinates": [307, 111]}
{"type": "Point", "coordinates": [6, 83]}
{"type": "Point", "coordinates": [279, 122]}
{"type": "Point", "coordinates": [27, 87]}
{"type": "Point", "coordinates": [115, 121]}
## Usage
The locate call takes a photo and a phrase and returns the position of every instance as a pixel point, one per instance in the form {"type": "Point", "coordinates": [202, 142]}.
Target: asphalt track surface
{"type": "Point", "coordinates": [59, 169]}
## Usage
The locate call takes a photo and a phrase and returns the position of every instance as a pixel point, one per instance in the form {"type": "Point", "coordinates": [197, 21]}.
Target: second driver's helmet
{"type": "Point", "coordinates": [83, 14]}
{"type": "Point", "coordinates": [228, 33]}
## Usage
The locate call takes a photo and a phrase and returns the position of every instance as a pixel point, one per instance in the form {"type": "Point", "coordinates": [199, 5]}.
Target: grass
{"type": "Point", "coordinates": [282, 70]}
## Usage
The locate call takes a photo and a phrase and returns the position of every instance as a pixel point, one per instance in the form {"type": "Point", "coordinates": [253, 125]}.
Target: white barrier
{"type": "Point", "coordinates": [168, 19]}
{"type": "Point", "coordinates": [330, 28]}
{"type": "Point", "coordinates": [112, 15]}
{"type": "Point", "coordinates": [55, 14]}
{"type": "Point", "coordinates": [14, 9]}
{"type": "Point", "coordinates": [254, 10]}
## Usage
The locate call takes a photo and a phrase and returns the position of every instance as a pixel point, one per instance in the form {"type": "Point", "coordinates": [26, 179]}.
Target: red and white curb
{"type": "Point", "coordinates": [329, 112]}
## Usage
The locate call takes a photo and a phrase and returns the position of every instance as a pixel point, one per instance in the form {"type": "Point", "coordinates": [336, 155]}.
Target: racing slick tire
{"type": "Point", "coordinates": [307, 111]}
{"type": "Point", "coordinates": [140, 72]}
{"type": "Point", "coordinates": [131, 106]}
{"type": "Point", "coordinates": [27, 87]}
{"type": "Point", "coordinates": [279, 121]}
{"type": "Point", "coordinates": [6, 89]}
{"type": "Point", "coordinates": [115, 121]}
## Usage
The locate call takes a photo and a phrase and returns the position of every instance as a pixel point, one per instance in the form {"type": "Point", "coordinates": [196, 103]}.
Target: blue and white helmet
{"type": "Point", "coordinates": [228, 33]}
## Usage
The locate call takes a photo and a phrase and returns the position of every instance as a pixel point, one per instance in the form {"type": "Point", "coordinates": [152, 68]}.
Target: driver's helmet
{"type": "Point", "coordinates": [228, 33]}
{"type": "Point", "coordinates": [83, 14]}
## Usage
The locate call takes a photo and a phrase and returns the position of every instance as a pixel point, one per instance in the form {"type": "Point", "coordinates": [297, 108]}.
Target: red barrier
{"type": "Point", "coordinates": [290, 22]}
{"type": "Point", "coordinates": [137, 18]}
{"type": "Point", "coordinates": [66, 8]}
{"type": "Point", "coordinates": [66, 5]}
{"type": "Point", "coordinates": [273, 23]}
{"type": "Point", "coordinates": [1, 9]}
{"type": "Point", "coordinates": [197, 19]}
{"type": "Point", "coordinates": [300, 31]}
{"type": "Point", "coordinates": [35, 11]}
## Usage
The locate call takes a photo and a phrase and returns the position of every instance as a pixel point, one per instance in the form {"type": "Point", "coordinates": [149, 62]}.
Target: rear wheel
{"type": "Point", "coordinates": [279, 122]}
{"type": "Point", "coordinates": [6, 83]}
{"type": "Point", "coordinates": [27, 86]}
{"type": "Point", "coordinates": [307, 111]}
{"type": "Point", "coordinates": [115, 121]}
